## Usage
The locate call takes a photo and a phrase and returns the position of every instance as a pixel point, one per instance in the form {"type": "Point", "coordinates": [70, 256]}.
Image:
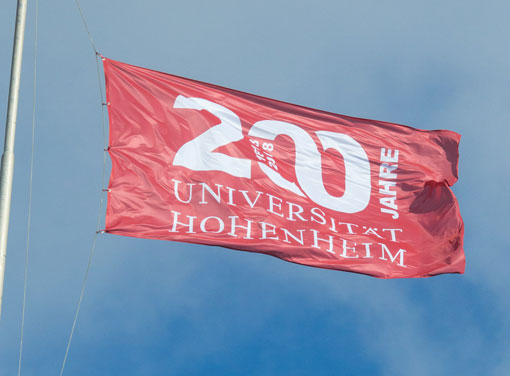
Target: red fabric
{"type": "Point", "coordinates": [389, 216]}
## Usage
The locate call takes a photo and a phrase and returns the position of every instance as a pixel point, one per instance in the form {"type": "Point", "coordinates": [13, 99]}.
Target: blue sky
{"type": "Point", "coordinates": [163, 308]}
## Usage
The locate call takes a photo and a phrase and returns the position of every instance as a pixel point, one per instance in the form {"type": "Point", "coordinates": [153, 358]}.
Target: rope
{"type": "Point", "coordinates": [84, 283]}
{"type": "Point", "coordinates": [25, 282]}
{"type": "Point", "coordinates": [101, 201]}
{"type": "Point", "coordinates": [86, 27]}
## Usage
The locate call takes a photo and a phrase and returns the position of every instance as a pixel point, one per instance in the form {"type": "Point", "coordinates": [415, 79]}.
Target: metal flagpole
{"type": "Point", "coordinates": [10, 132]}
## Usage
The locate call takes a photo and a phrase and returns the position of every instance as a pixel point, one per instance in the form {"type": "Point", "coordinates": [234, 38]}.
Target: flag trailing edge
{"type": "Point", "coordinates": [199, 163]}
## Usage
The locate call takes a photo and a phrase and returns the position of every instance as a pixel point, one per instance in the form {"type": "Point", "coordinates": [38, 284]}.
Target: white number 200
{"type": "Point", "coordinates": [199, 155]}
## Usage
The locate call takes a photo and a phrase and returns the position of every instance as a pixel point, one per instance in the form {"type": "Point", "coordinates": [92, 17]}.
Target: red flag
{"type": "Point", "coordinates": [199, 163]}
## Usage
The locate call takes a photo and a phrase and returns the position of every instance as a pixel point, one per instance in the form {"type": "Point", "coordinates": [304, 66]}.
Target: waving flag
{"type": "Point", "coordinates": [198, 163]}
